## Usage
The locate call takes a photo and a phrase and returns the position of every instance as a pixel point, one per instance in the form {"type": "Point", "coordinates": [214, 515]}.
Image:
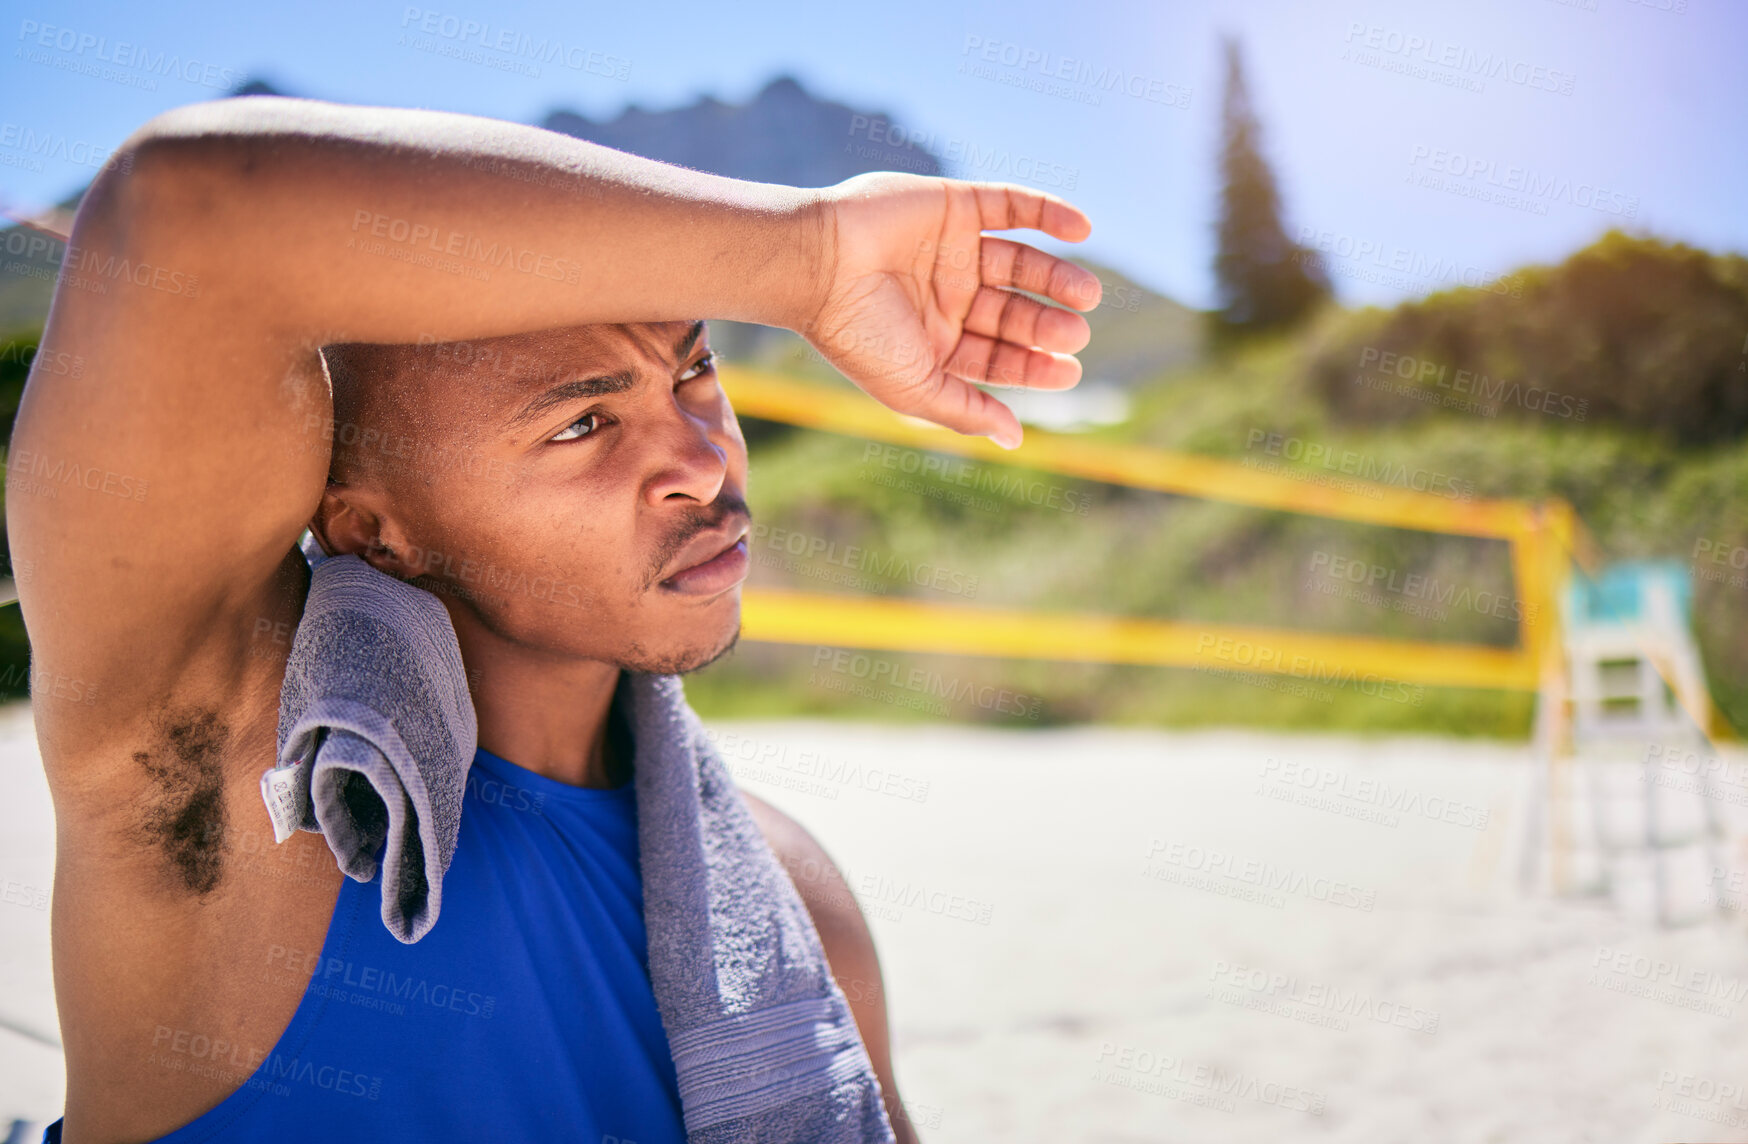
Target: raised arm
{"type": "Point", "coordinates": [364, 224]}
{"type": "Point", "coordinates": [231, 240]}
{"type": "Point", "coordinates": [382, 225]}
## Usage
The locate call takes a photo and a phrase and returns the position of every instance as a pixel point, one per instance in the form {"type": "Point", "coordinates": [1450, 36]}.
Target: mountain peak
{"type": "Point", "coordinates": [784, 88]}
{"type": "Point", "coordinates": [255, 85]}
{"type": "Point", "coordinates": [784, 134]}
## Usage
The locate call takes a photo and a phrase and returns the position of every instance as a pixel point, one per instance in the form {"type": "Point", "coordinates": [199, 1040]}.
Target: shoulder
{"type": "Point", "coordinates": [843, 931]}
{"type": "Point", "coordinates": [843, 934]}
{"type": "Point", "coordinates": [817, 878]}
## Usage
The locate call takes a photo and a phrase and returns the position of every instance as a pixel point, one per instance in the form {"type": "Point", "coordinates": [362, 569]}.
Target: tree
{"type": "Point", "coordinates": [1265, 280]}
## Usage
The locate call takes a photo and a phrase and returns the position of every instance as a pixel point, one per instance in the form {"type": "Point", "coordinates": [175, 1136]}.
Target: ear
{"type": "Point", "coordinates": [351, 521]}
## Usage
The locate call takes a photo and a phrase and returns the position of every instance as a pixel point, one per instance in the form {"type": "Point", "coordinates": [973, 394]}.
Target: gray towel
{"type": "Point", "coordinates": [376, 735]}
{"type": "Point", "coordinates": [764, 1044]}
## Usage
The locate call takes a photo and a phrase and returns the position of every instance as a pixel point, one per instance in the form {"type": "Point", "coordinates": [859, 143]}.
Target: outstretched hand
{"type": "Point", "coordinates": [919, 303]}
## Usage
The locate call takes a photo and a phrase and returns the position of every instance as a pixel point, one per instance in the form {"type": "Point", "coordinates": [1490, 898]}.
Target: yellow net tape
{"type": "Point", "coordinates": [849, 621]}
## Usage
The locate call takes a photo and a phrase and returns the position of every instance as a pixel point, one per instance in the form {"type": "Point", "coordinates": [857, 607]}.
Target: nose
{"type": "Point", "coordinates": [692, 459]}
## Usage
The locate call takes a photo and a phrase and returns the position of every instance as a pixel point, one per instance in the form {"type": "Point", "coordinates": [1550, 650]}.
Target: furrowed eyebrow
{"type": "Point", "coordinates": [580, 389]}
{"type": "Point", "coordinates": [688, 340]}
{"type": "Point", "coordinates": [576, 389]}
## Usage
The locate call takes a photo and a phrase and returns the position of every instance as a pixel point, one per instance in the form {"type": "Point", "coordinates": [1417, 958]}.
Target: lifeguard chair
{"type": "Point", "coordinates": [1647, 824]}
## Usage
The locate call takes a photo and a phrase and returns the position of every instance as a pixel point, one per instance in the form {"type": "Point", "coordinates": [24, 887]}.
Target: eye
{"type": "Point", "coordinates": [572, 432]}
{"type": "Point", "coordinates": [700, 367]}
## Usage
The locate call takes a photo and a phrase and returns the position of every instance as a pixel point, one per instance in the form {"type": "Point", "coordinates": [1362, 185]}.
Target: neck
{"type": "Point", "coordinates": [548, 715]}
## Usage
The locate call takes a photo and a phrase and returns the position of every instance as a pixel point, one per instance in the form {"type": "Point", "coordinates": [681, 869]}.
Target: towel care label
{"type": "Point", "coordinates": [287, 798]}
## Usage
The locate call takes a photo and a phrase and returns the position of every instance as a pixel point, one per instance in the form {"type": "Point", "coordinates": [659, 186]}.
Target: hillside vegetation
{"type": "Point", "coordinates": [1453, 389]}
{"type": "Point", "coordinates": [1648, 336]}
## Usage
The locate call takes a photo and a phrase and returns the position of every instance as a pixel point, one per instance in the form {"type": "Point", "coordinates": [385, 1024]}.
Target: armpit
{"type": "Point", "coordinates": [184, 810]}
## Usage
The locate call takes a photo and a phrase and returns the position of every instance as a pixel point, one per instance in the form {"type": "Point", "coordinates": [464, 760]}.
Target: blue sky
{"type": "Point", "coordinates": [1421, 144]}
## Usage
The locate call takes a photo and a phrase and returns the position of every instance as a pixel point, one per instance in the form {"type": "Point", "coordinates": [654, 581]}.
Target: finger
{"type": "Point", "coordinates": [1010, 317]}
{"type": "Point", "coordinates": [991, 362]}
{"type": "Point", "coordinates": [963, 408]}
{"type": "Point", "coordinates": [1008, 206]}
{"type": "Point", "coordinates": [1005, 263]}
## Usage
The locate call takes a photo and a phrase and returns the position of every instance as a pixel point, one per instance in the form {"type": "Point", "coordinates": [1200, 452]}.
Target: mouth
{"type": "Point", "coordinates": [713, 563]}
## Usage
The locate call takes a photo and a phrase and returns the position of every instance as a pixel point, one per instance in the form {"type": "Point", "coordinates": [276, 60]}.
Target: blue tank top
{"type": "Point", "coordinates": [525, 1014]}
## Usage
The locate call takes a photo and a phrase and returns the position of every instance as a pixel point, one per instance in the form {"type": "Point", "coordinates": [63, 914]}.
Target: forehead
{"type": "Point", "coordinates": [520, 364]}
{"type": "Point", "coordinates": [467, 384]}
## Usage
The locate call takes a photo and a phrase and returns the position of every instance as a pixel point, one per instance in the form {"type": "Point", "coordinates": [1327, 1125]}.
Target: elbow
{"type": "Point", "coordinates": [235, 134]}
{"type": "Point", "coordinates": [139, 188]}
{"type": "Point", "coordinates": [186, 171]}
{"type": "Point", "coordinates": [171, 179]}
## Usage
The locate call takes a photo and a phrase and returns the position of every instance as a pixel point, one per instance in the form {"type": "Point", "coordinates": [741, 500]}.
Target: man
{"type": "Point", "coordinates": [520, 389]}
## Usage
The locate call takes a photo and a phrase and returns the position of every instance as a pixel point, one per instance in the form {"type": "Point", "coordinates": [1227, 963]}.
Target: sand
{"type": "Point", "coordinates": [1112, 935]}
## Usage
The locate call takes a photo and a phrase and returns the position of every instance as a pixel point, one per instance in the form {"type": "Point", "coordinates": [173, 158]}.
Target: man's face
{"type": "Point", "coordinates": [576, 493]}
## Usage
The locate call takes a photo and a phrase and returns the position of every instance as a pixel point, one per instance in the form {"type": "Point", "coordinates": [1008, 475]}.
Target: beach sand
{"type": "Point", "coordinates": [1114, 935]}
